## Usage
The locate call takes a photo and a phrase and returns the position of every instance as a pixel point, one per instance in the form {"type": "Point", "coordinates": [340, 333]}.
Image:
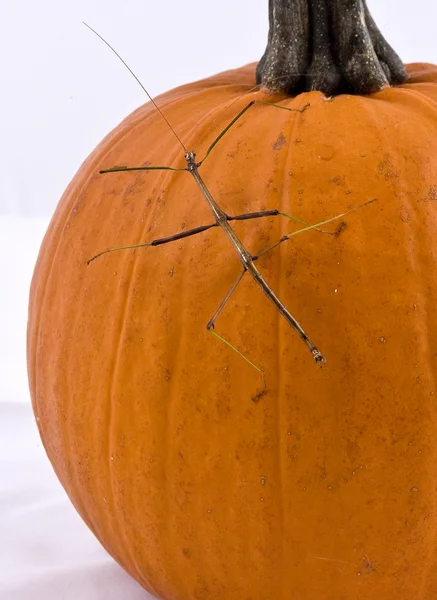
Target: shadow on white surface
{"type": "Point", "coordinates": [46, 551]}
{"type": "Point", "coordinates": [20, 239]}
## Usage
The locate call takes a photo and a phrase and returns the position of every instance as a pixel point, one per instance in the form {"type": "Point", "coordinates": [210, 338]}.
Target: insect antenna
{"type": "Point", "coordinates": [139, 82]}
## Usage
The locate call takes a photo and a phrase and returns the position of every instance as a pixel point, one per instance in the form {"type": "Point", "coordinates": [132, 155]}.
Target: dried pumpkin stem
{"type": "Point", "coordinates": [333, 46]}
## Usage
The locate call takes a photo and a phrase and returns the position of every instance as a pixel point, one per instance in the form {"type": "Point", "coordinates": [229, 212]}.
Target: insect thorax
{"type": "Point", "coordinates": [190, 158]}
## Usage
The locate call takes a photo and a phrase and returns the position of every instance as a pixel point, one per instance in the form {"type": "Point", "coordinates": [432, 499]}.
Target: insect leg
{"type": "Point", "coordinates": [240, 114]}
{"type": "Point", "coordinates": [211, 322]}
{"type": "Point", "coordinates": [284, 238]}
{"type": "Point", "coordinates": [157, 242]}
{"type": "Point", "coordinates": [255, 215]}
{"type": "Point", "coordinates": [275, 212]}
{"type": "Point", "coordinates": [118, 169]}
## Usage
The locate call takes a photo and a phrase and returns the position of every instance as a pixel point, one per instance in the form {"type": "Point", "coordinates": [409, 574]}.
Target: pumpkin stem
{"type": "Point", "coordinates": [333, 46]}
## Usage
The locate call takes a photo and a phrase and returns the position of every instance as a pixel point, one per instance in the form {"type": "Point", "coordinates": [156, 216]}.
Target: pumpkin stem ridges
{"type": "Point", "coordinates": [333, 46]}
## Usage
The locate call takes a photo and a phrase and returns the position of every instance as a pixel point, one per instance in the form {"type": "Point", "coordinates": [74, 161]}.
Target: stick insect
{"type": "Point", "coordinates": [223, 220]}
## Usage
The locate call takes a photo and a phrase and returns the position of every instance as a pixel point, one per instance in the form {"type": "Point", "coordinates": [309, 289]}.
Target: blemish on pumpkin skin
{"type": "Point", "coordinates": [76, 208]}
{"type": "Point", "coordinates": [233, 153]}
{"type": "Point", "coordinates": [337, 180]}
{"type": "Point", "coordinates": [130, 189]}
{"type": "Point", "coordinates": [405, 216]}
{"type": "Point", "coordinates": [280, 142]}
{"type": "Point", "coordinates": [386, 168]}
{"type": "Point", "coordinates": [258, 396]}
{"type": "Point", "coordinates": [325, 152]}
{"type": "Point", "coordinates": [432, 193]}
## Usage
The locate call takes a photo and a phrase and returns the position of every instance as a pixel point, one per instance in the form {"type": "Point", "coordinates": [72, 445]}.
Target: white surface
{"type": "Point", "coordinates": [20, 239]}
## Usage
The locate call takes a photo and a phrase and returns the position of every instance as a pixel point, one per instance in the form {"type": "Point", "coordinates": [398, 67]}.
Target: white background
{"type": "Point", "coordinates": [61, 91]}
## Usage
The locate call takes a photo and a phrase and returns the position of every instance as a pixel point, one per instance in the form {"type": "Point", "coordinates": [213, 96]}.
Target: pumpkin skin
{"type": "Point", "coordinates": [325, 487]}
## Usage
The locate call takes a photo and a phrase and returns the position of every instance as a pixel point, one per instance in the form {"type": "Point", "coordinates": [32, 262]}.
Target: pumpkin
{"type": "Point", "coordinates": [199, 478]}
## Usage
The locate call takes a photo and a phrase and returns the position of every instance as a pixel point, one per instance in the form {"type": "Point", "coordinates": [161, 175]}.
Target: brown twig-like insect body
{"type": "Point", "coordinates": [222, 220]}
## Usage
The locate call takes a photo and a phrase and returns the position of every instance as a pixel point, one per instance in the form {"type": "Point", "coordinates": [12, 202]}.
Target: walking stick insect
{"type": "Point", "coordinates": [222, 220]}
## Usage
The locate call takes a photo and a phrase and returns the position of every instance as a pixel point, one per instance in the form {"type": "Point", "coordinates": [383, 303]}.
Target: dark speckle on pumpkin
{"type": "Point", "coordinates": [280, 142]}
{"type": "Point", "coordinates": [432, 193]}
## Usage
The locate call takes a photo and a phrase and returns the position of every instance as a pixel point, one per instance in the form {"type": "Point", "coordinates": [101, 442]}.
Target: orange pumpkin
{"type": "Point", "coordinates": [323, 489]}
